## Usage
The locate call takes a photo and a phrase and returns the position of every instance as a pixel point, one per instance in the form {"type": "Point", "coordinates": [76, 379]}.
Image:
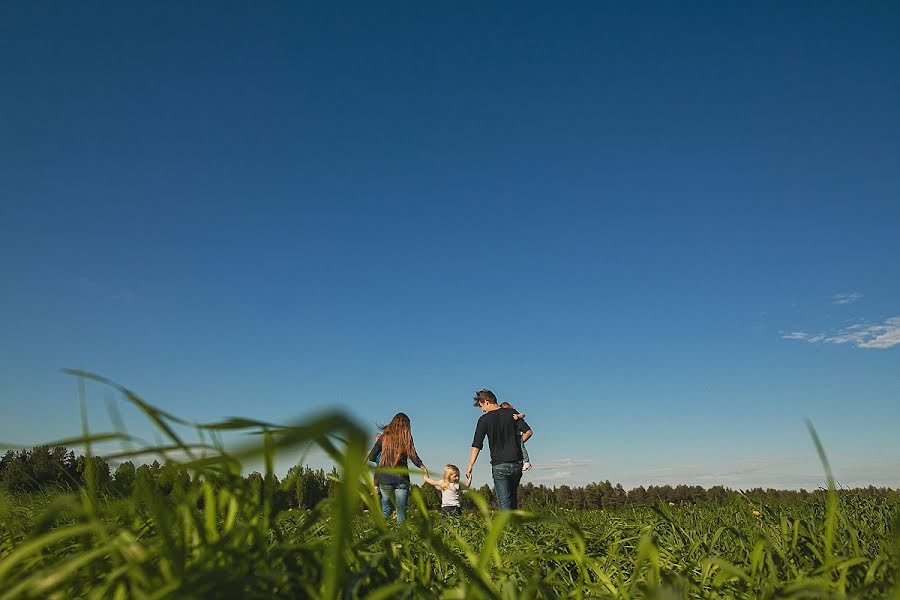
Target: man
{"type": "Point", "coordinates": [504, 435]}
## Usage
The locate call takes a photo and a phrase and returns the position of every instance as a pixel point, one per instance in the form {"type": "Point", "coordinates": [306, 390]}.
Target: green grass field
{"type": "Point", "coordinates": [222, 539]}
{"type": "Point", "coordinates": [73, 546]}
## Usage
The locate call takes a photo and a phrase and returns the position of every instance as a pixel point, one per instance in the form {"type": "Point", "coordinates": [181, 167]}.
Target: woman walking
{"type": "Point", "coordinates": [395, 446]}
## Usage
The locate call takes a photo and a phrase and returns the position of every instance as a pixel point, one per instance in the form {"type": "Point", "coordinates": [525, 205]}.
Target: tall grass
{"type": "Point", "coordinates": [224, 539]}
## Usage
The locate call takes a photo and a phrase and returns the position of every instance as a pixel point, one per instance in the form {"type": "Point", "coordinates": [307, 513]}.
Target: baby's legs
{"type": "Point", "coordinates": [524, 452]}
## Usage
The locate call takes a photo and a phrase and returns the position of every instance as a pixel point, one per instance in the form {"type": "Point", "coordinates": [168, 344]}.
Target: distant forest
{"type": "Point", "coordinates": [45, 469]}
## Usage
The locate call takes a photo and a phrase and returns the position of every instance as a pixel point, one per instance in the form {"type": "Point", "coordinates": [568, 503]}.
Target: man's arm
{"type": "Point", "coordinates": [477, 445]}
{"type": "Point", "coordinates": [473, 456]}
{"type": "Point", "coordinates": [525, 429]}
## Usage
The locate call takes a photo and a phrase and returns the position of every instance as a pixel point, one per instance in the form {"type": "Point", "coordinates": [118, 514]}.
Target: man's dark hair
{"type": "Point", "coordinates": [485, 396]}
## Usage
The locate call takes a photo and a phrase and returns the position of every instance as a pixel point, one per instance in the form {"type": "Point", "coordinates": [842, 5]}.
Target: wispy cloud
{"type": "Point", "coordinates": [560, 470]}
{"type": "Point", "coordinates": [846, 298]}
{"type": "Point", "coordinates": [563, 463]}
{"type": "Point", "coordinates": [803, 337]}
{"type": "Point", "coordinates": [875, 336]}
{"type": "Point", "coordinates": [556, 476]}
{"type": "Point", "coordinates": [117, 295]}
{"type": "Point", "coordinates": [782, 472]}
{"type": "Point", "coordinates": [749, 472]}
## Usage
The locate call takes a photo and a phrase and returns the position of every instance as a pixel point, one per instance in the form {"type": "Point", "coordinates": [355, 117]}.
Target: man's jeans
{"type": "Point", "coordinates": [506, 484]}
{"type": "Point", "coordinates": [396, 494]}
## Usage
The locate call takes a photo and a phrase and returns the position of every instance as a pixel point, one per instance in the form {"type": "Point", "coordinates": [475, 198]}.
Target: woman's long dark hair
{"type": "Point", "coordinates": [396, 440]}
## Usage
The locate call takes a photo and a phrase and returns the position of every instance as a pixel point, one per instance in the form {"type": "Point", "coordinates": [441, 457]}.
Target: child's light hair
{"type": "Point", "coordinates": [449, 471]}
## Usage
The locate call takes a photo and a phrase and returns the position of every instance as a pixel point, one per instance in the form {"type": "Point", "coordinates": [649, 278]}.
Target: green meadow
{"type": "Point", "coordinates": [227, 536]}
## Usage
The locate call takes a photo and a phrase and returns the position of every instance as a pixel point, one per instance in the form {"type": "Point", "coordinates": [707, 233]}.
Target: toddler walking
{"type": "Point", "coordinates": [449, 487]}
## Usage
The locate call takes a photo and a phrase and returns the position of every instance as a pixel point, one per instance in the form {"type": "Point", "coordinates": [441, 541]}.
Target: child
{"type": "Point", "coordinates": [449, 486]}
{"type": "Point", "coordinates": [526, 465]}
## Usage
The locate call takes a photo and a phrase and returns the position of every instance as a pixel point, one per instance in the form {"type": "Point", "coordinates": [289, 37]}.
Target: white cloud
{"type": "Point", "coordinates": [803, 337]}
{"type": "Point", "coordinates": [558, 471]}
{"type": "Point", "coordinates": [778, 472]}
{"type": "Point", "coordinates": [877, 336]}
{"type": "Point", "coordinates": [563, 463]}
{"type": "Point", "coordinates": [846, 298]}
{"type": "Point", "coordinates": [118, 295]}
{"type": "Point", "coordinates": [556, 476]}
{"type": "Point", "coordinates": [881, 336]}
{"type": "Point", "coordinates": [781, 472]}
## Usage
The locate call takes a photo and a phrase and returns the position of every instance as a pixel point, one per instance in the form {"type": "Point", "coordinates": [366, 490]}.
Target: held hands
{"type": "Point", "coordinates": [469, 476]}
{"type": "Point", "coordinates": [428, 479]}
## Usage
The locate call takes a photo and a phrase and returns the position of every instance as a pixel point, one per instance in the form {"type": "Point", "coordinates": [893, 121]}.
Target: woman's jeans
{"type": "Point", "coordinates": [395, 495]}
{"type": "Point", "coordinates": [506, 484]}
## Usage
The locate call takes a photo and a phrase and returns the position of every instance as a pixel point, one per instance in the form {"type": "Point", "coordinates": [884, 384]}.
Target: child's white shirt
{"type": "Point", "coordinates": [450, 496]}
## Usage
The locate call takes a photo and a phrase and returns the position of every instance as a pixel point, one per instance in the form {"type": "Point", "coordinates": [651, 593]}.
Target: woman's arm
{"type": "Point", "coordinates": [414, 457]}
{"type": "Point", "coordinates": [375, 451]}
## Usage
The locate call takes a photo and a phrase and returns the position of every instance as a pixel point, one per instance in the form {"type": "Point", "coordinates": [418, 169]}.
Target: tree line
{"type": "Point", "coordinates": [58, 469]}
{"type": "Point", "coordinates": [46, 469]}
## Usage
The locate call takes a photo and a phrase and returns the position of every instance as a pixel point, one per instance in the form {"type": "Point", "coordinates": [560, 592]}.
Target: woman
{"type": "Point", "coordinates": [395, 446]}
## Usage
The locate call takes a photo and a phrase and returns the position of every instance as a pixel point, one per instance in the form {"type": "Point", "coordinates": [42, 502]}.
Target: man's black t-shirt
{"type": "Point", "coordinates": [503, 433]}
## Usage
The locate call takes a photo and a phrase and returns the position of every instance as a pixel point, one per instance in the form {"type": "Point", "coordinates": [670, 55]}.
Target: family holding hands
{"type": "Point", "coordinates": [506, 431]}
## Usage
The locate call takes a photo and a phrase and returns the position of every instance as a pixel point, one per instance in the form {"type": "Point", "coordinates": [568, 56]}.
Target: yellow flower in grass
{"type": "Point", "coordinates": [671, 504]}
{"type": "Point", "coordinates": [756, 513]}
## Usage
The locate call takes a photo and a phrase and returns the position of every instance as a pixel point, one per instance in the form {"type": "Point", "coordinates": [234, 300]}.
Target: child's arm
{"type": "Point", "coordinates": [518, 416]}
{"type": "Point", "coordinates": [431, 481]}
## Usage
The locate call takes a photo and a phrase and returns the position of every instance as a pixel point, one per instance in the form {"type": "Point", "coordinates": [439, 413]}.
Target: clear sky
{"type": "Point", "coordinates": [667, 232]}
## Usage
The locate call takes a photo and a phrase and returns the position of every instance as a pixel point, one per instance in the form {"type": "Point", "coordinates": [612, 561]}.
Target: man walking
{"type": "Point", "coordinates": [504, 435]}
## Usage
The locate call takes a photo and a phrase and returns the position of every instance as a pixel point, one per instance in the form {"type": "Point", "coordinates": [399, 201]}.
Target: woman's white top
{"type": "Point", "coordinates": [450, 496]}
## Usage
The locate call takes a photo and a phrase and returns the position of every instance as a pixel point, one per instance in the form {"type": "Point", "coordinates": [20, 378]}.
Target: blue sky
{"type": "Point", "coordinates": [667, 233]}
